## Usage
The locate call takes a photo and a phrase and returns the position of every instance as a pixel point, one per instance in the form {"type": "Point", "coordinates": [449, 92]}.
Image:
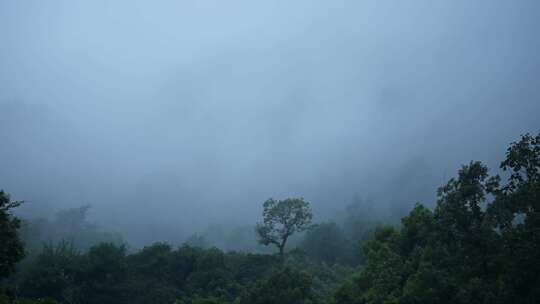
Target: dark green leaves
{"type": "Point", "coordinates": [281, 219]}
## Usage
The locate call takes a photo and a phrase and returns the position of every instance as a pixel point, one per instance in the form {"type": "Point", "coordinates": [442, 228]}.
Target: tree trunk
{"type": "Point", "coordinates": [282, 252]}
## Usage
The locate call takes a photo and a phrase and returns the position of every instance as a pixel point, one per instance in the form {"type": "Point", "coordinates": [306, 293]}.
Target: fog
{"type": "Point", "coordinates": [169, 117]}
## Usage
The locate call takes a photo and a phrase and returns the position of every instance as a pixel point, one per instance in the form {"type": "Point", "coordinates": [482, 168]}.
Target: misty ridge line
{"type": "Point", "coordinates": [203, 111]}
{"type": "Point", "coordinates": [481, 217]}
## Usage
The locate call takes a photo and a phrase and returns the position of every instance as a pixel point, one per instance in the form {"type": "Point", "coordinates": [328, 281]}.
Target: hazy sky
{"type": "Point", "coordinates": [173, 114]}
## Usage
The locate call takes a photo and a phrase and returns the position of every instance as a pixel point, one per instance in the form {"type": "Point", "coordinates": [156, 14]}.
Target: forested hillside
{"type": "Point", "coordinates": [479, 244]}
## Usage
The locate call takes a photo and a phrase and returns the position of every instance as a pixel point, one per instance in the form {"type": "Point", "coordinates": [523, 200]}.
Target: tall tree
{"type": "Point", "coordinates": [11, 246]}
{"type": "Point", "coordinates": [281, 219]}
{"type": "Point", "coordinates": [516, 213]}
{"type": "Point", "coordinates": [448, 255]}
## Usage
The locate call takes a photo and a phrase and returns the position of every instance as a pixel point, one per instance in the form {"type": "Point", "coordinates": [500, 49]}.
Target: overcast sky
{"type": "Point", "coordinates": [175, 114]}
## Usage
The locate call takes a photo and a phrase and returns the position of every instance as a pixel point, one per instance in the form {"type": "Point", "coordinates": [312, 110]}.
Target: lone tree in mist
{"type": "Point", "coordinates": [281, 219]}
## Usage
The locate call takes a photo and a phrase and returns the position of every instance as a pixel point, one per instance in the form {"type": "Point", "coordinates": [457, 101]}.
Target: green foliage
{"type": "Point", "coordinates": [161, 274]}
{"type": "Point", "coordinates": [53, 272]}
{"type": "Point", "coordinates": [11, 249]}
{"type": "Point", "coordinates": [284, 286]}
{"type": "Point", "coordinates": [104, 274]}
{"type": "Point", "coordinates": [469, 249]}
{"type": "Point", "coordinates": [156, 274]}
{"type": "Point", "coordinates": [281, 219]}
{"type": "Point", "coordinates": [211, 300]}
{"type": "Point", "coordinates": [34, 301]}
{"type": "Point", "coordinates": [480, 244]}
{"type": "Point", "coordinates": [325, 278]}
{"type": "Point", "coordinates": [202, 300]}
{"type": "Point", "coordinates": [516, 213]}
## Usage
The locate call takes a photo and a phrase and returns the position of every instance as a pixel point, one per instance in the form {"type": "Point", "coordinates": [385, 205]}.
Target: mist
{"type": "Point", "coordinates": [169, 117]}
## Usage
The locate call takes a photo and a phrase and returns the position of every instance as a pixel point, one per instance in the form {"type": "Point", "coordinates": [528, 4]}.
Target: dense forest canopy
{"type": "Point", "coordinates": [480, 244]}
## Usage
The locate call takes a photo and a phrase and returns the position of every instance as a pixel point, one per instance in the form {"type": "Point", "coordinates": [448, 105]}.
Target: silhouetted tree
{"type": "Point", "coordinates": [281, 219]}
{"type": "Point", "coordinates": [516, 214]}
{"type": "Point", "coordinates": [11, 246]}
{"type": "Point", "coordinates": [449, 255]}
